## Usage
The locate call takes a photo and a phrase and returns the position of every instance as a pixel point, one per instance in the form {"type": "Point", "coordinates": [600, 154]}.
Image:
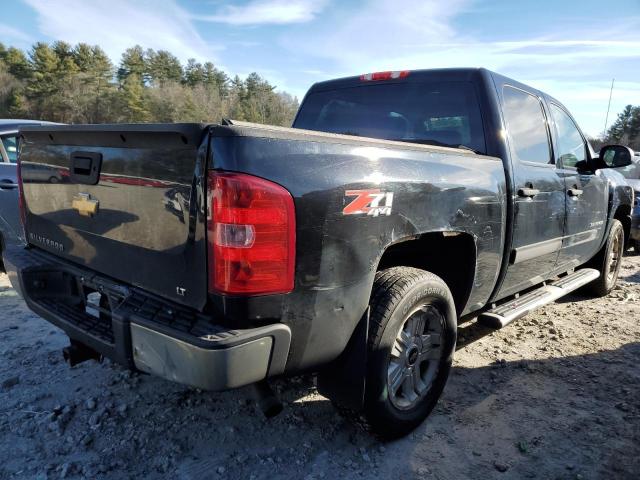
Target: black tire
{"type": "Point", "coordinates": [613, 250]}
{"type": "Point", "coordinates": [397, 292]}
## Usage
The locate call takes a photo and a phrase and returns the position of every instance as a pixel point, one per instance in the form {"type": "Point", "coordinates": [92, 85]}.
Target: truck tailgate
{"type": "Point", "coordinates": [122, 200]}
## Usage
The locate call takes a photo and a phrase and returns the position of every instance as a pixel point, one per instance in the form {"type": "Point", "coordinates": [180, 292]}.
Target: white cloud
{"type": "Point", "coordinates": [257, 12]}
{"type": "Point", "coordinates": [574, 66]}
{"type": "Point", "coordinates": [116, 25]}
{"type": "Point", "coordinates": [379, 30]}
{"type": "Point", "coordinates": [8, 33]}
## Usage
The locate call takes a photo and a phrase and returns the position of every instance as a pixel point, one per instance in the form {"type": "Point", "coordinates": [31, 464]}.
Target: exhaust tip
{"type": "Point", "coordinates": [77, 353]}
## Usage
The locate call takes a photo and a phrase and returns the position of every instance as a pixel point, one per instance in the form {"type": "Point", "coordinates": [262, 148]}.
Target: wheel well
{"type": "Point", "coordinates": [623, 213]}
{"type": "Point", "coordinates": [450, 255]}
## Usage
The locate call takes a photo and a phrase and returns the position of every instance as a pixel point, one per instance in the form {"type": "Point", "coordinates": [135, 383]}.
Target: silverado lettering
{"type": "Point", "coordinates": [35, 238]}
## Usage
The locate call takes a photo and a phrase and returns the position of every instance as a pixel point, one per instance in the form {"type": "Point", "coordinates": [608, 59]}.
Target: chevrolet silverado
{"type": "Point", "coordinates": [351, 245]}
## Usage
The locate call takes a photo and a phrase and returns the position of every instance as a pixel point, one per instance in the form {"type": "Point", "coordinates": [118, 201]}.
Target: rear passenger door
{"type": "Point", "coordinates": [587, 195]}
{"type": "Point", "coordinates": [539, 191]}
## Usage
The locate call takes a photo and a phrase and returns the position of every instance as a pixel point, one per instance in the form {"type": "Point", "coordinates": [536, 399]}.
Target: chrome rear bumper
{"type": "Point", "coordinates": [143, 331]}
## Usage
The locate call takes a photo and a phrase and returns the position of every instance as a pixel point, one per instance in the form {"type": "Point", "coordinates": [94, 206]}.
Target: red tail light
{"type": "Point", "coordinates": [251, 235]}
{"type": "Point", "coordinates": [22, 205]}
{"type": "Point", "coordinates": [374, 77]}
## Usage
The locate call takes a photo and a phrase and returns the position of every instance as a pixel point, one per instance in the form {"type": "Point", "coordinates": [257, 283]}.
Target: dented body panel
{"type": "Point", "coordinates": [337, 255]}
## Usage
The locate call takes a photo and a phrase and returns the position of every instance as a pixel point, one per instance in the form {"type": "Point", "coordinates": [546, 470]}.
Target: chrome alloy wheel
{"type": "Point", "coordinates": [415, 357]}
{"type": "Point", "coordinates": [615, 256]}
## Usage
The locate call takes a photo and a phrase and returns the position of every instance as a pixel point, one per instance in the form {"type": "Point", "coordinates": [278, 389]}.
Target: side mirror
{"type": "Point", "coordinates": [615, 156]}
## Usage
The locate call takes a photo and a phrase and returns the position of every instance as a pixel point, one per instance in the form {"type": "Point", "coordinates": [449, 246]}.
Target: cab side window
{"type": "Point", "coordinates": [526, 126]}
{"type": "Point", "coordinates": [571, 148]}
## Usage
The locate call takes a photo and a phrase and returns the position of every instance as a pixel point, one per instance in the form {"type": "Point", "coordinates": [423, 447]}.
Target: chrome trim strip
{"type": "Point", "coordinates": [528, 252]}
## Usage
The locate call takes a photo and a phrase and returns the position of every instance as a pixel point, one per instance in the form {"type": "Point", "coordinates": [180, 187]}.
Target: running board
{"type": "Point", "coordinates": [509, 311]}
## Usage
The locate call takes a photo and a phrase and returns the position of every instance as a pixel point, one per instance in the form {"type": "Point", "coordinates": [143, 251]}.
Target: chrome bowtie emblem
{"type": "Point", "coordinates": [85, 205]}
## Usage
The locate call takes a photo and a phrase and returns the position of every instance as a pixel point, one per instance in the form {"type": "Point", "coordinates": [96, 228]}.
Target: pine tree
{"type": "Point", "coordinates": [79, 84]}
{"type": "Point", "coordinates": [94, 84]}
{"type": "Point", "coordinates": [132, 63]}
{"type": "Point", "coordinates": [17, 106]}
{"type": "Point", "coordinates": [17, 63]}
{"type": "Point", "coordinates": [43, 86]}
{"type": "Point", "coordinates": [134, 104]}
{"type": "Point", "coordinates": [626, 129]}
{"type": "Point", "coordinates": [194, 73]}
{"type": "Point", "coordinates": [162, 67]}
{"type": "Point", "coordinates": [216, 78]}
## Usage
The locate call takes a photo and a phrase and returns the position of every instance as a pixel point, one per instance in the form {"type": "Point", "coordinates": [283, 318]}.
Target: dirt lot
{"type": "Point", "coordinates": [553, 396]}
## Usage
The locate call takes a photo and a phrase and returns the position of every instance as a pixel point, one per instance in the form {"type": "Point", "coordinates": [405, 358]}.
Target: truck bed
{"type": "Point", "coordinates": [147, 218]}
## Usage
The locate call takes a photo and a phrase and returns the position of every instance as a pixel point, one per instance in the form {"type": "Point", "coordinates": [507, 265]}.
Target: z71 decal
{"type": "Point", "coordinates": [372, 202]}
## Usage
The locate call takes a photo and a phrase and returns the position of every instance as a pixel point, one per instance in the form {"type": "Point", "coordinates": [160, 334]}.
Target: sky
{"type": "Point", "coordinates": [571, 49]}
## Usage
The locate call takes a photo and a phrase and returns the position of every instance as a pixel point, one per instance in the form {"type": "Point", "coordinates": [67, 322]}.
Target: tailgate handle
{"type": "Point", "coordinates": [85, 167]}
{"type": "Point", "coordinates": [7, 184]}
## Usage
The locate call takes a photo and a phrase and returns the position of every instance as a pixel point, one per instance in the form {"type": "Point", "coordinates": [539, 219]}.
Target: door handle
{"type": "Point", "coordinates": [7, 184]}
{"type": "Point", "coordinates": [528, 192]}
{"type": "Point", "coordinates": [574, 192]}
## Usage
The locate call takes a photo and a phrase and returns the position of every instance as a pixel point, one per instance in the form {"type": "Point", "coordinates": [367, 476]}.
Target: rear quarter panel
{"type": "Point", "coordinates": [336, 254]}
{"type": "Point", "coordinates": [620, 195]}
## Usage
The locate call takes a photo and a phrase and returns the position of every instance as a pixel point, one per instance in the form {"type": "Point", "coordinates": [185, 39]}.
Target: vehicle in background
{"type": "Point", "coordinates": [10, 228]}
{"type": "Point", "coordinates": [349, 246]}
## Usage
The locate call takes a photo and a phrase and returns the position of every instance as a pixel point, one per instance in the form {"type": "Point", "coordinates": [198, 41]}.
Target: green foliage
{"type": "Point", "coordinates": [626, 129]}
{"type": "Point", "coordinates": [162, 67]}
{"type": "Point", "coordinates": [134, 103]}
{"type": "Point", "coordinates": [132, 63]}
{"type": "Point", "coordinates": [16, 62]}
{"type": "Point", "coordinates": [79, 84]}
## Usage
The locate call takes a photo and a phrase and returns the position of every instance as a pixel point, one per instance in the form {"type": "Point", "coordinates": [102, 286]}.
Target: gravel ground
{"type": "Point", "coordinates": [552, 396]}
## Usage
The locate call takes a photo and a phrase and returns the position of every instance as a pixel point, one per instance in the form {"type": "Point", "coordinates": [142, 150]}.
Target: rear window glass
{"type": "Point", "coordinates": [430, 112]}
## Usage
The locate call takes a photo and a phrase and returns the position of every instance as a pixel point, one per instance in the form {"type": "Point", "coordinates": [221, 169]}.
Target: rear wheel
{"type": "Point", "coordinates": [411, 343]}
{"type": "Point", "coordinates": [608, 261]}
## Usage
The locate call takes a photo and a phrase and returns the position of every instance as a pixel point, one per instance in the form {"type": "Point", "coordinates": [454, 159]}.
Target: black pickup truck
{"type": "Point", "coordinates": [349, 245]}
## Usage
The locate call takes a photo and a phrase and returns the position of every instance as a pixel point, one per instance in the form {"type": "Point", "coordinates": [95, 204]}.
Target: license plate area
{"type": "Point", "coordinates": [92, 305]}
{"type": "Point", "coordinates": [99, 300]}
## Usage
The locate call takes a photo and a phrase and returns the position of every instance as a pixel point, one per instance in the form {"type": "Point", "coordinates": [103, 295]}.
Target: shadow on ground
{"type": "Point", "coordinates": [534, 419]}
